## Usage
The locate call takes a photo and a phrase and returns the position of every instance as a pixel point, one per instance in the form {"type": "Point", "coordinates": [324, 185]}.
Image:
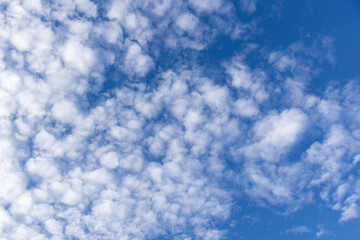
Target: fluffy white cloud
{"type": "Point", "coordinates": [281, 130]}
{"type": "Point", "coordinates": [246, 108]}
{"type": "Point", "coordinates": [64, 111]}
{"type": "Point", "coordinates": [275, 133]}
{"type": "Point", "coordinates": [136, 62]}
{"type": "Point", "coordinates": [9, 81]}
{"type": "Point", "coordinates": [187, 22]}
{"type": "Point", "coordinates": [77, 56]}
{"type": "Point", "coordinates": [245, 79]}
{"type": "Point", "coordinates": [118, 9]}
{"type": "Point", "coordinates": [110, 160]}
{"type": "Point", "coordinates": [350, 211]}
{"type": "Point", "coordinates": [54, 227]}
{"type": "Point", "coordinates": [331, 154]}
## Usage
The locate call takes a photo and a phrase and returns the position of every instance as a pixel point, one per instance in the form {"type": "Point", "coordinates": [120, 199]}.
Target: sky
{"type": "Point", "coordinates": [181, 120]}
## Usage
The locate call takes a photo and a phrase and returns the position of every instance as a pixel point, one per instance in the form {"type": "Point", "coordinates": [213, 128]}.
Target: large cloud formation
{"type": "Point", "coordinates": [97, 141]}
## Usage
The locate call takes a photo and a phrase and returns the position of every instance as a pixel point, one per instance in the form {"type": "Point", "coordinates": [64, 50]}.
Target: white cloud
{"type": "Point", "coordinates": [161, 6]}
{"type": "Point", "coordinates": [10, 172]}
{"type": "Point", "coordinates": [77, 56]}
{"type": "Point", "coordinates": [281, 130]}
{"type": "Point", "coordinates": [111, 31]}
{"type": "Point", "coordinates": [245, 79]}
{"type": "Point", "coordinates": [110, 160]}
{"type": "Point", "coordinates": [248, 6]}
{"type": "Point", "coordinates": [216, 97]}
{"type": "Point", "coordinates": [136, 62]}
{"type": "Point", "coordinates": [246, 108]}
{"type": "Point", "coordinates": [5, 219]}
{"type": "Point", "coordinates": [268, 183]}
{"type": "Point", "coordinates": [322, 231]}
{"type": "Point", "coordinates": [146, 160]}
{"type": "Point", "coordinates": [330, 155]}
{"type": "Point", "coordinates": [192, 119]}
{"type": "Point", "coordinates": [33, 6]}
{"type": "Point", "coordinates": [341, 191]}
{"type": "Point", "coordinates": [241, 76]}
{"type": "Point", "coordinates": [53, 226]}
{"type": "Point", "coordinates": [351, 208]}
{"type": "Point", "coordinates": [187, 22]}
{"type": "Point", "coordinates": [9, 81]}
{"type": "Point", "coordinates": [64, 111]}
{"type": "Point", "coordinates": [42, 167]}
{"type": "Point", "coordinates": [206, 5]}
{"type": "Point", "coordinates": [87, 7]}
{"type": "Point", "coordinates": [118, 9]}
{"type": "Point", "coordinates": [297, 230]}
{"type": "Point", "coordinates": [281, 61]}
{"type": "Point", "coordinates": [349, 212]}
{"type": "Point", "coordinates": [275, 133]}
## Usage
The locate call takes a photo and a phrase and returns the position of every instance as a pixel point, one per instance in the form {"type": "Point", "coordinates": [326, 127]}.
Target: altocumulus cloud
{"type": "Point", "coordinates": [99, 139]}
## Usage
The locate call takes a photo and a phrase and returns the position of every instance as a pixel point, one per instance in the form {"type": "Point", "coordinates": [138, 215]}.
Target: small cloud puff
{"type": "Point", "coordinates": [136, 62]}
{"type": "Point", "coordinates": [297, 230]}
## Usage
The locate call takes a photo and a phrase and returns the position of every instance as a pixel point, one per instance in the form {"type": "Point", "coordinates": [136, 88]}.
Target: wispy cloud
{"type": "Point", "coordinates": [297, 230]}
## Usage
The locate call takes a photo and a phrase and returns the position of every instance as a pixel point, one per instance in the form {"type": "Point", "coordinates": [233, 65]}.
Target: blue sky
{"type": "Point", "coordinates": [185, 120]}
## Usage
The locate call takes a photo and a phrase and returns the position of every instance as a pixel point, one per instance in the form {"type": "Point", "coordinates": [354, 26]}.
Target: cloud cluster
{"type": "Point", "coordinates": [159, 157]}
